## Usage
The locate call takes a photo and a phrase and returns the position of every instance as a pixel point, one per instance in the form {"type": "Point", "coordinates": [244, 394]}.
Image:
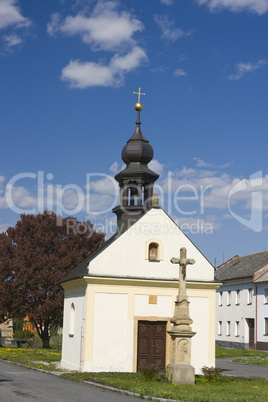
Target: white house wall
{"type": "Point", "coordinates": [126, 256]}
{"type": "Point", "coordinates": [262, 309]}
{"type": "Point", "coordinates": [72, 348]}
{"type": "Point", "coordinates": [235, 312]}
{"type": "Point", "coordinates": [110, 332]}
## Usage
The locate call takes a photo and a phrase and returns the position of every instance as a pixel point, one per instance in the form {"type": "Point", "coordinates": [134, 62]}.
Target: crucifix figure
{"type": "Point", "coordinates": [181, 319]}
{"type": "Point", "coordinates": [183, 262]}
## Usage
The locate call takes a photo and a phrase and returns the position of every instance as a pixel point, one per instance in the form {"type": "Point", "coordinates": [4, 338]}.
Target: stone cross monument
{"type": "Point", "coordinates": [180, 371]}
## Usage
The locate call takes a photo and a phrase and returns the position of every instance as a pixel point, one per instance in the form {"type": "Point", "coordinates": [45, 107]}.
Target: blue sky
{"type": "Point", "coordinates": [68, 72]}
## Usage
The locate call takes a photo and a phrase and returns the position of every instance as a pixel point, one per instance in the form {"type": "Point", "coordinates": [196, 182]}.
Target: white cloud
{"type": "Point", "coordinates": [179, 72]}
{"type": "Point", "coordinates": [105, 29]}
{"type": "Point", "coordinates": [128, 62]}
{"type": "Point", "coordinates": [245, 68]}
{"type": "Point", "coordinates": [87, 74]}
{"type": "Point", "coordinates": [10, 15]}
{"type": "Point", "coordinates": [114, 168]}
{"type": "Point", "coordinates": [108, 185]}
{"type": "Point", "coordinates": [156, 166]}
{"type": "Point", "coordinates": [12, 40]}
{"type": "Point", "coordinates": [257, 6]}
{"type": "Point", "coordinates": [167, 2]}
{"type": "Point", "coordinates": [160, 69]}
{"type": "Point", "coordinates": [201, 163]}
{"type": "Point", "coordinates": [168, 28]}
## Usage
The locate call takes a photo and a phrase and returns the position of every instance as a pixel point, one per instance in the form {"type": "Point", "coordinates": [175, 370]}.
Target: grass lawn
{"type": "Point", "coordinates": [223, 389]}
{"type": "Point", "coordinates": [259, 361]}
{"type": "Point", "coordinates": [36, 358]}
{"type": "Point", "coordinates": [257, 357]}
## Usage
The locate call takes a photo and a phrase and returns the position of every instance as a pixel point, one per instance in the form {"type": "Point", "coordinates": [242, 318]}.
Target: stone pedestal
{"type": "Point", "coordinates": [181, 374]}
{"type": "Point", "coordinates": [180, 371]}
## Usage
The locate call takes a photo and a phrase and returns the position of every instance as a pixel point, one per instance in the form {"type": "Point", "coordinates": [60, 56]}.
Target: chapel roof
{"type": "Point", "coordinates": [241, 267]}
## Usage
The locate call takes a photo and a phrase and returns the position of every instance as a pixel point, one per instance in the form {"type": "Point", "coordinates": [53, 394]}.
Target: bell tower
{"type": "Point", "coordinates": [136, 180]}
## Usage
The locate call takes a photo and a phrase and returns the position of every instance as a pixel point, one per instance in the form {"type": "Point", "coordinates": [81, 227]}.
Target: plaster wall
{"type": "Point", "coordinates": [235, 312]}
{"type": "Point", "coordinates": [262, 309]}
{"type": "Point", "coordinates": [73, 341]}
{"type": "Point", "coordinates": [126, 257]}
{"type": "Point", "coordinates": [111, 332]}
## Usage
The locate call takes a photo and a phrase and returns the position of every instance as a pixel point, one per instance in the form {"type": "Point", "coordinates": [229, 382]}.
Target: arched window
{"type": "Point", "coordinates": [72, 320]}
{"type": "Point", "coordinates": [153, 252]}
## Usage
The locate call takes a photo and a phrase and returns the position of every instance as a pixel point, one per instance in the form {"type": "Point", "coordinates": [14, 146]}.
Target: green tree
{"type": "Point", "coordinates": [34, 256]}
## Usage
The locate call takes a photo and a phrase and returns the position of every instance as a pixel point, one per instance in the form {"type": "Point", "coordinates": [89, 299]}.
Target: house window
{"type": "Point", "coordinates": [265, 296]}
{"type": "Point", "coordinates": [266, 326]}
{"type": "Point", "coordinates": [72, 320]}
{"type": "Point", "coordinates": [237, 297]}
{"type": "Point", "coordinates": [220, 299]}
{"type": "Point", "coordinates": [237, 328]}
{"type": "Point", "coordinates": [153, 252]}
{"type": "Point", "coordinates": [220, 328]}
{"type": "Point", "coordinates": [228, 298]}
{"type": "Point", "coordinates": [250, 296]}
{"type": "Point", "coordinates": [228, 327]}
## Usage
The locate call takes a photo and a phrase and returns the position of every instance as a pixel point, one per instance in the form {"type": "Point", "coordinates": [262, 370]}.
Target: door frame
{"type": "Point", "coordinates": [135, 338]}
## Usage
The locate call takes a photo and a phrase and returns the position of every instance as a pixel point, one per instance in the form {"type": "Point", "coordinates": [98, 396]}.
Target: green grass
{"type": "Point", "coordinates": [224, 389]}
{"type": "Point", "coordinates": [229, 352]}
{"type": "Point", "coordinates": [35, 358]}
{"type": "Point", "coordinates": [259, 361]}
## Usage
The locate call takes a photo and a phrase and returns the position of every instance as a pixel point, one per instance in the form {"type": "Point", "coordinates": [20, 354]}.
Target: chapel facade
{"type": "Point", "coordinates": [118, 303]}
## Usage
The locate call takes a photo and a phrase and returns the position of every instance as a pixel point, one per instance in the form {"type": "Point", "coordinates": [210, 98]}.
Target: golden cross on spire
{"type": "Point", "coordinates": [139, 94]}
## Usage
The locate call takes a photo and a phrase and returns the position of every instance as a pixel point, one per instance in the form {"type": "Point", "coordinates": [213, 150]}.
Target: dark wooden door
{"type": "Point", "coordinates": [151, 344]}
{"type": "Point", "coordinates": [251, 332]}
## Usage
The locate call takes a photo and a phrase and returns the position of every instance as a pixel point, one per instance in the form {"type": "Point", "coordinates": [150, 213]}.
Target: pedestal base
{"type": "Point", "coordinates": [181, 374]}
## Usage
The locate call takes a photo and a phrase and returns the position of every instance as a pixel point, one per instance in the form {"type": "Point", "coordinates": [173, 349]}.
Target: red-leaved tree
{"type": "Point", "coordinates": [34, 256]}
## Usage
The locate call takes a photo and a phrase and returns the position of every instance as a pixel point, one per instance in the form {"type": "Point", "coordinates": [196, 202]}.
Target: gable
{"type": "Point", "coordinates": [127, 255]}
{"type": "Point", "coordinates": [261, 275]}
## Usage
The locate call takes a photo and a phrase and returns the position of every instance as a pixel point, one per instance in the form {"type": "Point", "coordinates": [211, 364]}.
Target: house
{"type": "Point", "coordinates": [118, 302]}
{"type": "Point", "coordinates": [28, 325]}
{"type": "Point", "coordinates": [242, 302]}
{"type": "Point", "coordinates": [6, 329]}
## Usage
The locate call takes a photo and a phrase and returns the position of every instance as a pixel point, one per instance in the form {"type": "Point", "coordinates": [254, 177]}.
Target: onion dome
{"type": "Point", "coordinates": [137, 149]}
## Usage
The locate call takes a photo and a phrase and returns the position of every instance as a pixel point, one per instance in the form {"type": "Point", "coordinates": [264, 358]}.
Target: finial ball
{"type": "Point", "coordinates": [138, 107]}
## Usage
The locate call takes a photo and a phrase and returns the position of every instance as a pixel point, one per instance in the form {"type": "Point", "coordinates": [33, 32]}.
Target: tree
{"type": "Point", "coordinates": [34, 256]}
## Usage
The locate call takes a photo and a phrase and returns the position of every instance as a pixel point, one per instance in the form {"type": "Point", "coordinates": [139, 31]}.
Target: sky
{"type": "Point", "coordinates": [67, 75]}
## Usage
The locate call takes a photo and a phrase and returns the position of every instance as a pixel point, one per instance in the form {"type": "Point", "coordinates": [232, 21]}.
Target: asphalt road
{"type": "Point", "coordinates": [18, 384]}
{"type": "Point", "coordinates": [241, 370]}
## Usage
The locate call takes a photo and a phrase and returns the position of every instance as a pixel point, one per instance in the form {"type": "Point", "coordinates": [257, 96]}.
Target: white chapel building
{"type": "Point", "coordinates": [119, 301]}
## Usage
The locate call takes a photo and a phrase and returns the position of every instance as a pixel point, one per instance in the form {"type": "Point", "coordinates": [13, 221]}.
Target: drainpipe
{"type": "Point", "coordinates": [256, 319]}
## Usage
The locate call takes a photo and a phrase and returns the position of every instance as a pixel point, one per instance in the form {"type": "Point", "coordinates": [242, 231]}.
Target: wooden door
{"type": "Point", "coordinates": [151, 344]}
{"type": "Point", "coordinates": [251, 332]}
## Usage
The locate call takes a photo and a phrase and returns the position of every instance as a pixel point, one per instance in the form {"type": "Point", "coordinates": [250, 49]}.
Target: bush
{"type": "Point", "coordinates": [211, 373]}
{"type": "Point", "coordinates": [149, 373]}
{"type": "Point", "coordinates": [23, 334]}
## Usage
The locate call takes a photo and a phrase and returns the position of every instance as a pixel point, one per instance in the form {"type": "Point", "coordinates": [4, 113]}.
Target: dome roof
{"type": "Point", "coordinates": [137, 149]}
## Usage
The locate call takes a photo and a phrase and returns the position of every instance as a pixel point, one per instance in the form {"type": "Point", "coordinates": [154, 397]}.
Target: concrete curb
{"type": "Point", "coordinates": [125, 392]}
